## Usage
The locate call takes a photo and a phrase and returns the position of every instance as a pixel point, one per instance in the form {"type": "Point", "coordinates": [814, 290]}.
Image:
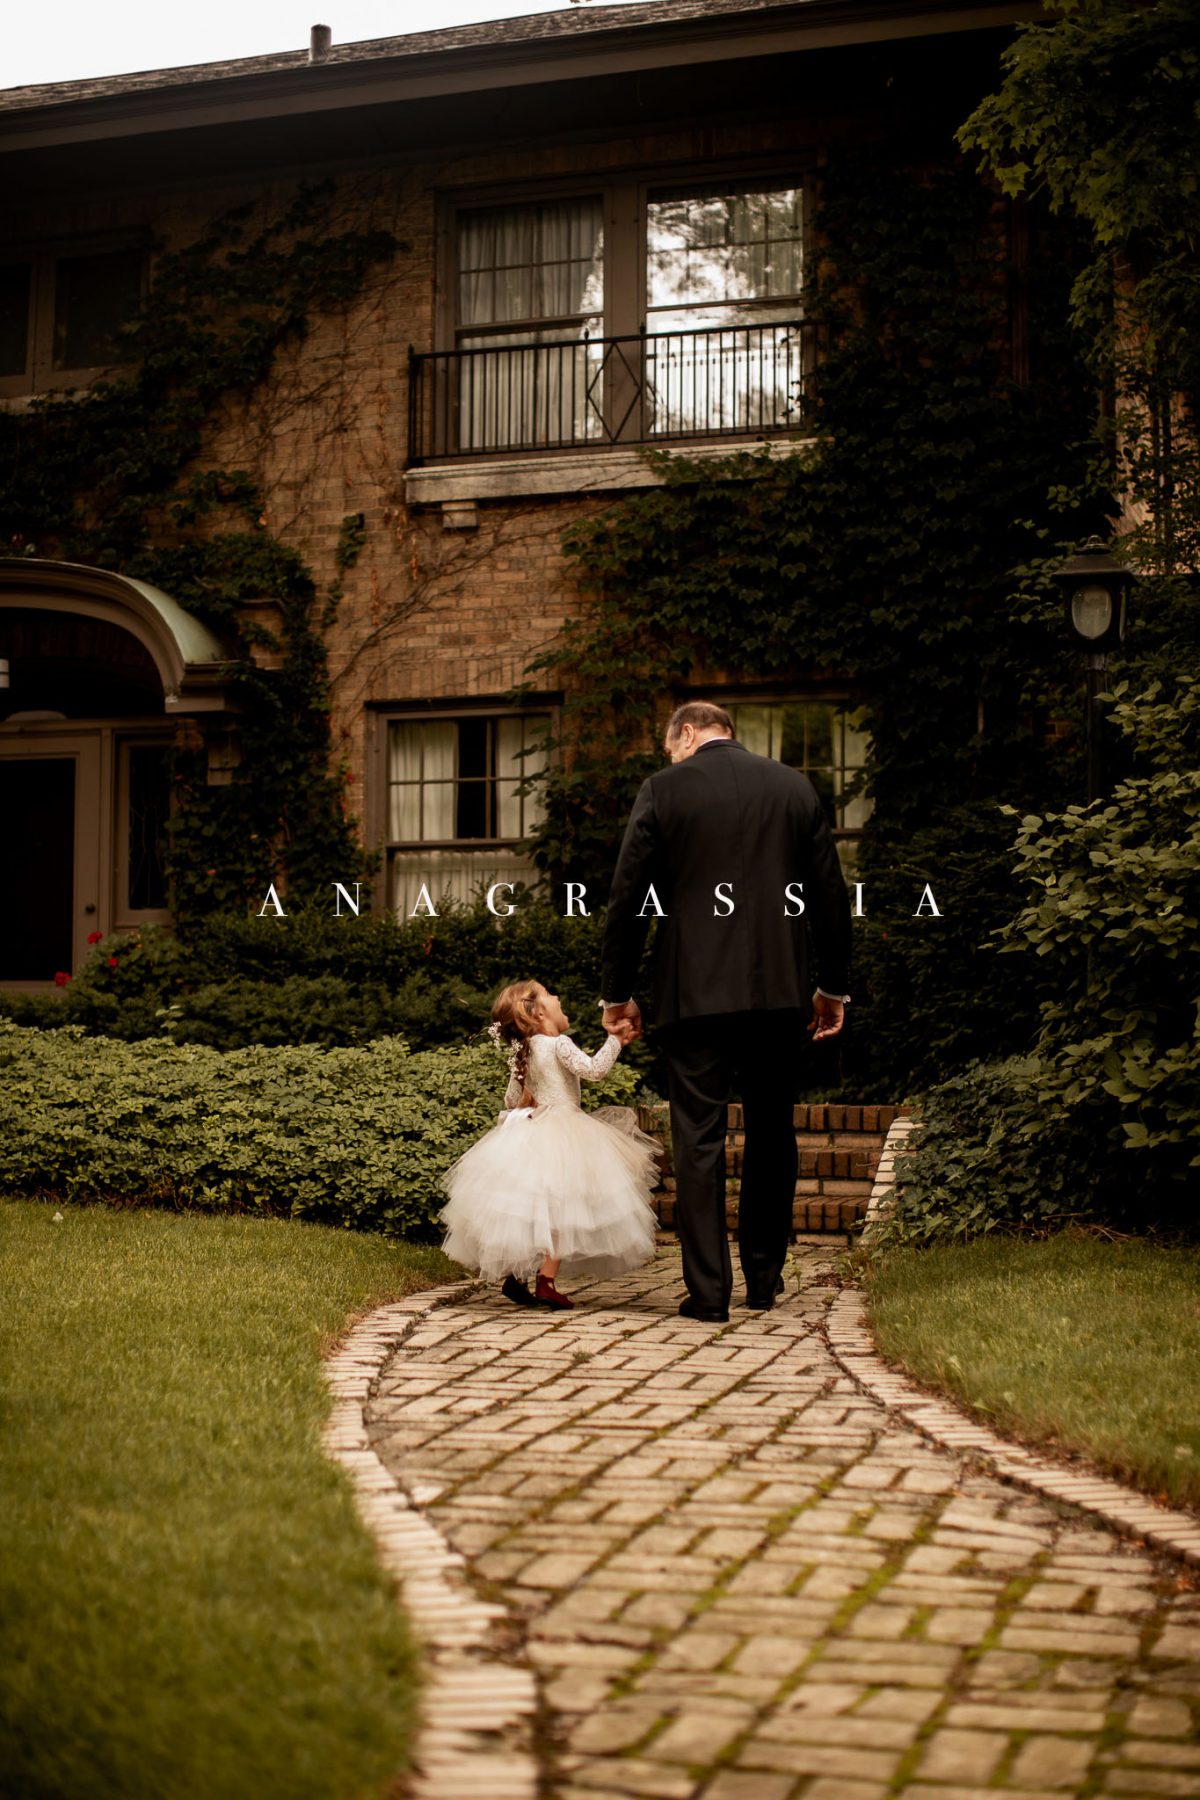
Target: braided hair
{"type": "Point", "coordinates": [514, 1021]}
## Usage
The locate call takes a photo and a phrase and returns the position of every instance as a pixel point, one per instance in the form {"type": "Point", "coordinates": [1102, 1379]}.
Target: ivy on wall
{"type": "Point", "coordinates": [905, 553]}
{"type": "Point", "coordinates": [106, 477]}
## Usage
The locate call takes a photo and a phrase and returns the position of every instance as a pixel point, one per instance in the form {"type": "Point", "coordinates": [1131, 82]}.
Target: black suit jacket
{"type": "Point", "coordinates": [727, 815]}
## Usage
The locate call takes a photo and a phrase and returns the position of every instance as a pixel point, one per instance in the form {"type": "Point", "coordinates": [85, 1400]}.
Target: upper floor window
{"type": "Point", "coordinates": [639, 314]}
{"type": "Point", "coordinates": [60, 313]}
{"type": "Point", "coordinates": [530, 300]}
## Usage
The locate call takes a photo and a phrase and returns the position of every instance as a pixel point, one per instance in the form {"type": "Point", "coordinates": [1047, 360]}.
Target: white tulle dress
{"type": "Point", "coordinates": [552, 1180]}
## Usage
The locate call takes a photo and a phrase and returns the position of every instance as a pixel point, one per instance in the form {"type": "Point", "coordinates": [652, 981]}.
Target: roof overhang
{"type": "Point", "coordinates": [615, 42]}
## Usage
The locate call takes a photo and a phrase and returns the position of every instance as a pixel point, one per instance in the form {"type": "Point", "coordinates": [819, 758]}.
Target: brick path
{"type": "Point", "coordinates": [738, 1577]}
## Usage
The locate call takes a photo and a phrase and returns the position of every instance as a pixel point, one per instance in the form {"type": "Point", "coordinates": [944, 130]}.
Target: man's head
{"type": "Point", "coordinates": [693, 724]}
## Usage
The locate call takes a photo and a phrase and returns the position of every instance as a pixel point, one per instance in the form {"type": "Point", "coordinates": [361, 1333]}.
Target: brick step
{"type": "Point", "coordinates": [858, 1165]}
{"type": "Point", "coordinates": [809, 1214]}
{"type": "Point", "coordinates": [825, 1140]}
{"type": "Point", "coordinates": [839, 1149]}
{"type": "Point", "coordinates": [807, 1186]}
{"type": "Point", "coordinates": [824, 1116]}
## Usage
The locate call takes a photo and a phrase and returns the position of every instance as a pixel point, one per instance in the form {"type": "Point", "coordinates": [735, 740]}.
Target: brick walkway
{"type": "Point", "coordinates": [738, 1577]}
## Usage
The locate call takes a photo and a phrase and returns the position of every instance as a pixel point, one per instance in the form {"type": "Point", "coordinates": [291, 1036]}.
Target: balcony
{"type": "Point", "coordinates": [583, 393]}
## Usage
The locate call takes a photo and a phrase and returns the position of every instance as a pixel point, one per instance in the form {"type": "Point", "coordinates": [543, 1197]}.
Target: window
{"type": "Point", "coordinates": [148, 786]}
{"type": "Point", "coordinates": [530, 296]}
{"type": "Point", "coordinates": [60, 314]}
{"type": "Point", "coordinates": [827, 741]}
{"type": "Point", "coordinates": [720, 269]}
{"type": "Point", "coordinates": [637, 315]}
{"type": "Point", "coordinates": [457, 816]}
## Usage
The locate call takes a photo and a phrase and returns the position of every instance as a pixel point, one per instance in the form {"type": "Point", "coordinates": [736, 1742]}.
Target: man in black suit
{"type": "Point", "coordinates": [732, 852]}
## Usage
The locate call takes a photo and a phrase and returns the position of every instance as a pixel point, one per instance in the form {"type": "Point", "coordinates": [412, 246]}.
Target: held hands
{"type": "Point", "coordinates": [623, 1022]}
{"type": "Point", "coordinates": [828, 1017]}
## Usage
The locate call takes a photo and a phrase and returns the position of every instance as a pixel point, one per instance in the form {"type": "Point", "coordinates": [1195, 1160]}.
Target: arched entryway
{"type": "Point", "coordinates": [98, 673]}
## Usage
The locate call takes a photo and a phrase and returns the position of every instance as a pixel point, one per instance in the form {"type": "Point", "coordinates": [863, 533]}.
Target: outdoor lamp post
{"type": "Point", "coordinates": [1096, 598]}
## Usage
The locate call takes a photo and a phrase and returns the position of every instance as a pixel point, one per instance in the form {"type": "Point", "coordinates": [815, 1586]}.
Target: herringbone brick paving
{"type": "Point", "coordinates": [738, 1577]}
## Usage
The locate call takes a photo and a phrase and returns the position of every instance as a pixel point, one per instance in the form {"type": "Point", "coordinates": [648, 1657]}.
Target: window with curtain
{"type": "Point", "coordinates": [685, 320]}
{"type": "Point", "coordinates": [530, 300]}
{"type": "Point", "coordinates": [827, 741]}
{"type": "Point", "coordinates": [457, 814]}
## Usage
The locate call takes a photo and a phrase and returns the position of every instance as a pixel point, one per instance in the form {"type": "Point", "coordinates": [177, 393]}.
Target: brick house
{"type": "Point", "coordinates": [602, 219]}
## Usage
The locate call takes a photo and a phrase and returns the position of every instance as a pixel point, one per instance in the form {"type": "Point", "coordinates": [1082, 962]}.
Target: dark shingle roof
{"type": "Point", "coordinates": [573, 24]}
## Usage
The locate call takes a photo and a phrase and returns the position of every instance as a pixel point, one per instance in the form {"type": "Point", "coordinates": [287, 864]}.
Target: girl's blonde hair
{"type": "Point", "coordinates": [515, 1013]}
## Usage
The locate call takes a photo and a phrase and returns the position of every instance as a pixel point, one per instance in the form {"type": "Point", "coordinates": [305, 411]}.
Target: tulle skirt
{"type": "Point", "coordinates": [553, 1181]}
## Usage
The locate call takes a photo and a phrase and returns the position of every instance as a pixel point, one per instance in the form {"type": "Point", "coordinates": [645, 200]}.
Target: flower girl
{"type": "Point", "coordinates": [550, 1185]}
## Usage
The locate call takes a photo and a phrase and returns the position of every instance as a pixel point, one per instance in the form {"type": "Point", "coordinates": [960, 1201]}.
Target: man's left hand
{"type": "Point", "coordinates": [828, 1017]}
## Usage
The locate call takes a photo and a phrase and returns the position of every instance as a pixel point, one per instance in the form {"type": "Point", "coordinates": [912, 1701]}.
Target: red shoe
{"type": "Point", "coordinates": [546, 1294]}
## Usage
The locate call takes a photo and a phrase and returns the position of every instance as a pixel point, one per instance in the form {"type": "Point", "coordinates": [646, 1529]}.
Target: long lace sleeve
{"type": "Point", "coordinates": [588, 1068]}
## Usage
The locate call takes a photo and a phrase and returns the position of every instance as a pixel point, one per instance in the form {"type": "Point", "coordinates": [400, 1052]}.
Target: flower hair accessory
{"type": "Point", "coordinates": [494, 1031]}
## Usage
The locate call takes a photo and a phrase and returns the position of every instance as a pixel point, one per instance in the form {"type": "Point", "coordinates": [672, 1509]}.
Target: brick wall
{"type": "Point", "coordinates": [428, 614]}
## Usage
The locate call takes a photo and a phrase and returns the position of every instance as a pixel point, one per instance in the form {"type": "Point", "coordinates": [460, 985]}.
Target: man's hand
{"type": "Point", "coordinates": [624, 1022]}
{"type": "Point", "coordinates": [828, 1017]}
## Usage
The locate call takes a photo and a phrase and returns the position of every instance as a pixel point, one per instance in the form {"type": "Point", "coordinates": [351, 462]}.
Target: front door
{"type": "Point", "coordinates": [50, 892]}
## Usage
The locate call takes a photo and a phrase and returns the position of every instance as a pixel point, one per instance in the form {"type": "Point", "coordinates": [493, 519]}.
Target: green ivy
{"type": "Point", "coordinates": [1099, 112]}
{"type": "Point", "coordinates": [102, 477]}
{"type": "Point", "coordinates": [907, 552]}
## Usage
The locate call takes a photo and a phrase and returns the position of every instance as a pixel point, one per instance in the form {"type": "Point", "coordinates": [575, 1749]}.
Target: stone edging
{"type": "Point", "coordinates": [1121, 1507]}
{"type": "Point", "coordinates": [470, 1702]}
{"type": "Point", "coordinates": [885, 1174]}
{"type": "Point", "coordinates": [852, 1344]}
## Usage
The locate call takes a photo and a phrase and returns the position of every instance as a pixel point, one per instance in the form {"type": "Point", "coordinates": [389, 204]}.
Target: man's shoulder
{"type": "Point", "coordinates": [748, 766]}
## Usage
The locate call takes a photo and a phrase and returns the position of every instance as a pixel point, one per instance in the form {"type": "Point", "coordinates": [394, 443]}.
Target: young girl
{"type": "Point", "coordinates": [549, 1184]}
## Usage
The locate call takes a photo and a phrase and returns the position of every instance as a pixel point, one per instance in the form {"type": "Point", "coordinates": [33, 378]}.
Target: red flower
{"type": "Point", "coordinates": [61, 978]}
{"type": "Point", "coordinates": [112, 962]}
{"type": "Point", "coordinates": [94, 937]}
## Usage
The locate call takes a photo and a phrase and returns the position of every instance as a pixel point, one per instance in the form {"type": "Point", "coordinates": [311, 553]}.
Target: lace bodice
{"type": "Point", "coordinates": [556, 1066]}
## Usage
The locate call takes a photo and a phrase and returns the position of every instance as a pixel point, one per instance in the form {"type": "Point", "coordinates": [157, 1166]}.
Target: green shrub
{"type": "Point", "coordinates": [1101, 1119]}
{"type": "Point", "coordinates": [1115, 917]}
{"type": "Point", "coordinates": [357, 1137]}
{"type": "Point", "coordinates": [980, 1161]}
{"type": "Point", "coordinates": [233, 981]}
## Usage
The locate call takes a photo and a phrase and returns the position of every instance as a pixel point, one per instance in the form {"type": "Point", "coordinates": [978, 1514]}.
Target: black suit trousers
{"type": "Point", "coordinates": [759, 1055]}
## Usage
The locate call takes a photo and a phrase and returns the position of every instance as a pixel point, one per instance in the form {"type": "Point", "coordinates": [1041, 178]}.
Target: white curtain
{"type": "Point", "coordinates": [753, 727]}
{"type": "Point", "coordinates": [459, 873]}
{"type": "Point", "coordinates": [512, 736]}
{"type": "Point", "coordinates": [519, 265]}
{"type": "Point", "coordinates": [421, 780]}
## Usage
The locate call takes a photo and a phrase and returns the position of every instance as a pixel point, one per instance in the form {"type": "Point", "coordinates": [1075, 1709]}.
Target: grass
{"type": "Point", "coordinates": [189, 1606]}
{"type": "Point", "coordinates": [1072, 1341]}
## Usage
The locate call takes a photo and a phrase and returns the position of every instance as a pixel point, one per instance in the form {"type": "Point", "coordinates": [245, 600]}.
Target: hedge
{"type": "Point", "coordinates": [356, 1137]}
{"type": "Point", "coordinates": [232, 981]}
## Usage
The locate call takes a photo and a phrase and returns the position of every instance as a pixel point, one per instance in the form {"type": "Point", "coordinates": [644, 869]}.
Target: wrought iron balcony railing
{"type": "Point", "coordinates": [583, 392]}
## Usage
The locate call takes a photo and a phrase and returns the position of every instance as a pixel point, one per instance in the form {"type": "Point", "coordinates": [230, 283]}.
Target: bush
{"type": "Point", "coordinates": [1102, 1119]}
{"type": "Point", "coordinates": [980, 1161]}
{"type": "Point", "coordinates": [1115, 916]}
{"type": "Point", "coordinates": [234, 980]}
{"type": "Point", "coordinates": [357, 1137]}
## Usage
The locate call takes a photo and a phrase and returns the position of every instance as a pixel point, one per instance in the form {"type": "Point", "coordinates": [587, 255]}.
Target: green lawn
{"type": "Point", "coordinates": [1069, 1341]}
{"type": "Point", "coordinates": [189, 1608]}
